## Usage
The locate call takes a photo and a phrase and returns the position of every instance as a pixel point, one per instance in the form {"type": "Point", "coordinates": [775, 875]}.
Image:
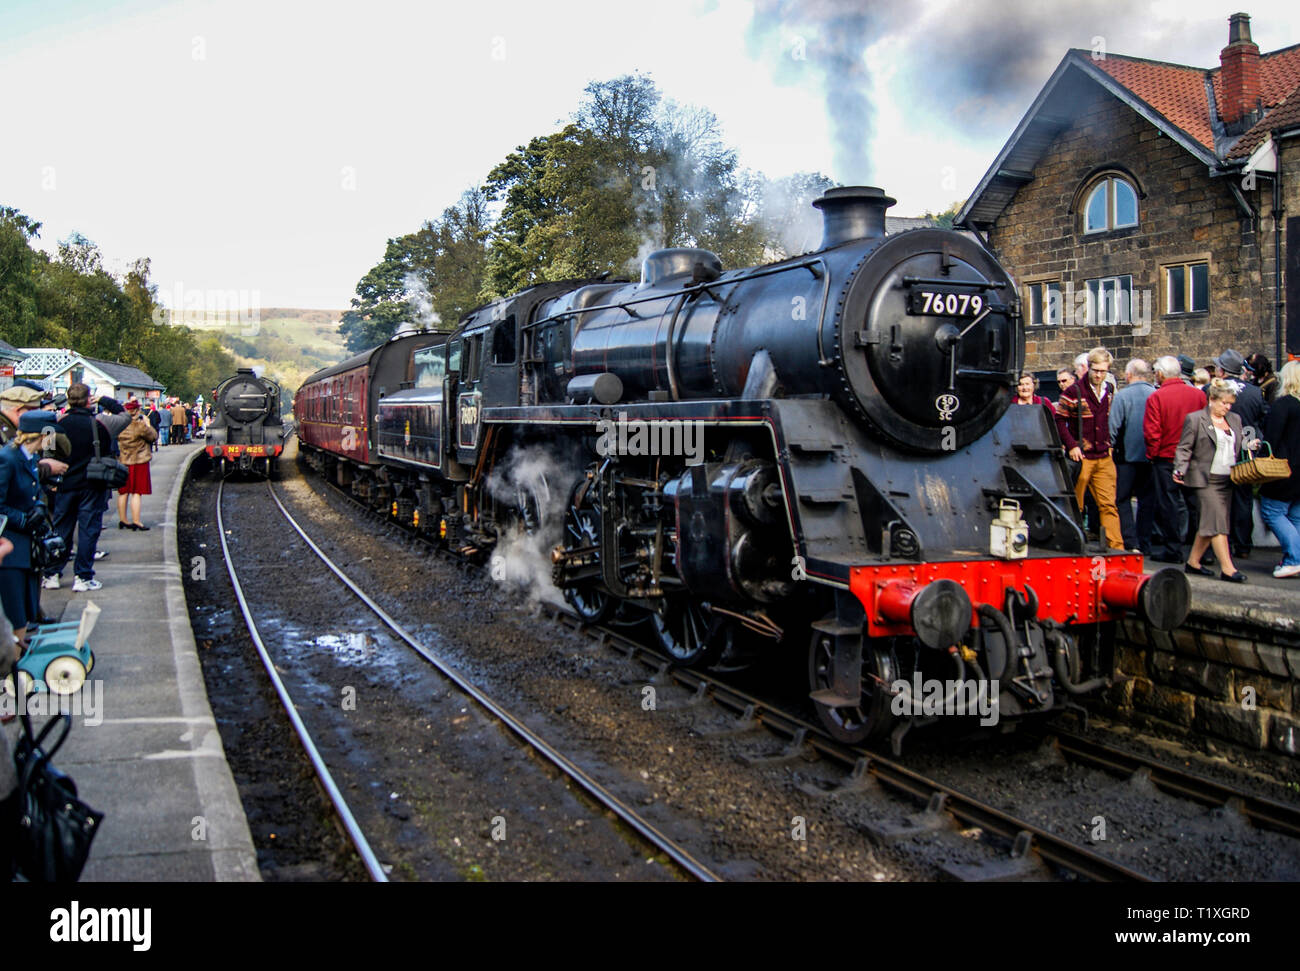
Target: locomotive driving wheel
{"type": "Point", "coordinates": [688, 632]}
{"type": "Point", "coordinates": [871, 717]}
{"type": "Point", "coordinates": [582, 531]}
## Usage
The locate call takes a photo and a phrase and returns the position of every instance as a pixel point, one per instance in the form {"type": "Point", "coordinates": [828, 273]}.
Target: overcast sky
{"type": "Point", "coordinates": [272, 147]}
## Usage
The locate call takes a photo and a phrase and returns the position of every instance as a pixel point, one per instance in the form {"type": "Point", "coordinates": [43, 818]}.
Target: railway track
{"type": "Point", "coordinates": [863, 768]}
{"type": "Point", "coordinates": [342, 810]}
{"type": "Point", "coordinates": [651, 834]}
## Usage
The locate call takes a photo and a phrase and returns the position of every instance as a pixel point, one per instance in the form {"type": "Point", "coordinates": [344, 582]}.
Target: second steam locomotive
{"type": "Point", "coordinates": [247, 433]}
{"type": "Point", "coordinates": [817, 454]}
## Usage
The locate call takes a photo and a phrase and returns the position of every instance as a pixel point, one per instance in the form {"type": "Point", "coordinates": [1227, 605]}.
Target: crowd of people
{"type": "Point", "coordinates": [52, 497]}
{"type": "Point", "coordinates": [1152, 460]}
{"type": "Point", "coordinates": [51, 491]}
{"type": "Point", "coordinates": [178, 422]}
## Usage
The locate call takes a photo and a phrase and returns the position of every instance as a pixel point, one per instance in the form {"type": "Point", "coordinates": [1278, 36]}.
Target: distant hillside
{"type": "Point", "coordinates": [286, 344]}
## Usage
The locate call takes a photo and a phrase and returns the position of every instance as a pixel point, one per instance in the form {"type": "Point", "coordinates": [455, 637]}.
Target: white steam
{"type": "Point", "coordinates": [533, 480]}
{"type": "Point", "coordinates": [420, 301]}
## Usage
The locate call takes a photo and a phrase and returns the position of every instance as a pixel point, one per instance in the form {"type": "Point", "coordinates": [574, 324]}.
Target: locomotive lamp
{"type": "Point", "coordinates": [1009, 534]}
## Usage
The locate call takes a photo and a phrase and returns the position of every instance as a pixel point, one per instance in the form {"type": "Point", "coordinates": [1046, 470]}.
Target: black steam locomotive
{"type": "Point", "coordinates": [247, 433]}
{"type": "Point", "coordinates": [817, 454]}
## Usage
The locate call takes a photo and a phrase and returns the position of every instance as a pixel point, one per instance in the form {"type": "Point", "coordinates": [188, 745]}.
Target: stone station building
{"type": "Point", "coordinates": [1153, 208]}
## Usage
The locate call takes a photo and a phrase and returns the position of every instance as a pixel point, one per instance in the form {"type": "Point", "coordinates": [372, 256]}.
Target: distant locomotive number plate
{"type": "Point", "coordinates": [935, 304]}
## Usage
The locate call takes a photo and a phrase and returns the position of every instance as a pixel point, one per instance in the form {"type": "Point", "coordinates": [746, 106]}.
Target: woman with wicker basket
{"type": "Point", "coordinates": [1211, 443]}
{"type": "Point", "coordinates": [1279, 500]}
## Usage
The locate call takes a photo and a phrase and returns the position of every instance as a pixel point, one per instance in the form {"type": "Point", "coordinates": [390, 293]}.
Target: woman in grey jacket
{"type": "Point", "coordinates": [1210, 445]}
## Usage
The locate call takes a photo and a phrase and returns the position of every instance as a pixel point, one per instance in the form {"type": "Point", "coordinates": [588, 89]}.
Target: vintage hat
{"type": "Point", "coordinates": [1187, 365]}
{"type": "Point", "coordinates": [36, 421]}
{"type": "Point", "coordinates": [24, 383]}
{"type": "Point", "coordinates": [132, 405]}
{"type": "Point", "coordinates": [21, 394]}
{"type": "Point", "coordinates": [110, 405]}
{"type": "Point", "coordinates": [1230, 361]}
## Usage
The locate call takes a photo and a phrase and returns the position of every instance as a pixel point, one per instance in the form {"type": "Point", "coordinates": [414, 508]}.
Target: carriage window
{"type": "Point", "coordinates": [503, 342]}
{"type": "Point", "coordinates": [453, 358]}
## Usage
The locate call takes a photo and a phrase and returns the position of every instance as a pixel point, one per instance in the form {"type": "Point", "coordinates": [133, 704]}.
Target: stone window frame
{"type": "Point", "coordinates": [1090, 312]}
{"type": "Point", "coordinates": [1192, 259]}
{"type": "Point", "coordinates": [1083, 195]}
{"type": "Point", "coordinates": [1040, 280]}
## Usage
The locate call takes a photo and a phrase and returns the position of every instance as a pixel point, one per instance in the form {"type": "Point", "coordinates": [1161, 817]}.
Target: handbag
{"type": "Point", "coordinates": [1254, 470]}
{"type": "Point", "coordinates": [55, 828]}
{"type": "Point", "coordinates": [104, 470]}
{"type": "Point", "coordinates": [44, 551]}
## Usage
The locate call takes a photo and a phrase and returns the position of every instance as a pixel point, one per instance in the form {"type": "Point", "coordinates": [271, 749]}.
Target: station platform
{"type": "Point", "coordinates": [144, 747]}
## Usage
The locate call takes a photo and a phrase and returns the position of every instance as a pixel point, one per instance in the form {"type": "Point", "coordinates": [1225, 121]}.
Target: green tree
{"type": "Point", "coordinates": [944, 220]}
{"type": "Point", "coordinates": [431, 277]}
{"type": "Point", "coordinates": [568, 212]}
{"type": "Point", "coordinates": [18, 319]}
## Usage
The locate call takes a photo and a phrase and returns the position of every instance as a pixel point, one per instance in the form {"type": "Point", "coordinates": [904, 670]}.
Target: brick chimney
{"type": "Point", "coordinates": [1239, 61]}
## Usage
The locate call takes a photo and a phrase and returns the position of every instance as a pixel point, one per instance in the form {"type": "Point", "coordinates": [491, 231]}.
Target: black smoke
{"type": "Point", "coordinates": [972, 65]}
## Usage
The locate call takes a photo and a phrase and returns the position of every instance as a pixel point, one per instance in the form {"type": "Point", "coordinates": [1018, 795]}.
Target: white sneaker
{"type": "Point", "coordinates": [100, 554]}
{"type": "Point", "coordinates": [1286, 571]}
{"type": "Point", "coordinates": [50, 583]}
{"type": "Point", "coordinates": [83, 586]}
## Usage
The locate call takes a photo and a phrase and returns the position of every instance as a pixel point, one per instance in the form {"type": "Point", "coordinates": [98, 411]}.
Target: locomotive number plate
{"type": "Point", "coordinates": [934, 303]}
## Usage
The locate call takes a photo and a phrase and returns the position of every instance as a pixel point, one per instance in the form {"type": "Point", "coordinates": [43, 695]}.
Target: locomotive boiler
{"type": "Point", "coordinates": [247, 433]}
{"type": "Point", "coordinates": [816, 454]}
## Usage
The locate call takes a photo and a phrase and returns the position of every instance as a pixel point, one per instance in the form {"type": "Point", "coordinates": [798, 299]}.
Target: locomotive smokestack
{"type": "Point", "coordinates": [852, 212]}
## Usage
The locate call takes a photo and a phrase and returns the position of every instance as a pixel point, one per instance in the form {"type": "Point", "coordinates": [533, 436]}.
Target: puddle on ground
{"type": "Point", "coordinates": [349, 648]}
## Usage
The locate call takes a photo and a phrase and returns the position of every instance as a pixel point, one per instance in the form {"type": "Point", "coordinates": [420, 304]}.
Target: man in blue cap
{"type": "Point", "coordinates": [23, 396]}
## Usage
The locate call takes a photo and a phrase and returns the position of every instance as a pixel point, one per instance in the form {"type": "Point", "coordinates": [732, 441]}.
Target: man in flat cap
{"type": "Point", "coordinates": [1250, 407]}
{"type": "Point", "coordinates": [1188, 368]}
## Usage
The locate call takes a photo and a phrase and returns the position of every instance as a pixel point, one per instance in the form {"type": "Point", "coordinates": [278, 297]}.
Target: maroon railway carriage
{"type": "Point", "coordinates": [335, 407]}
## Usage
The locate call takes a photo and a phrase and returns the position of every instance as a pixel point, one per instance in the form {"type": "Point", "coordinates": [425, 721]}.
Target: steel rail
{"type": "Point", "coordinates": [350, 825]}
{"type": "Point", "coordinates": [1049, 847]}
{"type": "Point", "coordinates": [1264, 813]}
{"type": "Point", "coordinates": [644, 827]}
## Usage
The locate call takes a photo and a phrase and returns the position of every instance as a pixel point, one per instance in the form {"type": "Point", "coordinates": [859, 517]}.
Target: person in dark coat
{"type": "Point", "coordinates": [1132, 467]}
{"type": "Point", "coordinates": [1211, 442]}
{"type": "Point", "coordinates": [155, 421]}
{"type": "Point", "coordinates": [1258, 370]}
{"type": "Point", "coordinates": [1280, 500]}
{"type": "Point", "coordinates": [80, 503]}
{"type": "Point", "coordinates": [22, 501]}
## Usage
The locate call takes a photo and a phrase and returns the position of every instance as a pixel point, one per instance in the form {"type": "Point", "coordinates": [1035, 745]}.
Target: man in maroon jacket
{"type": "Point", "coordinates": [1083, 419]}
{"type": "Point", "coordinates": [1162, 426]}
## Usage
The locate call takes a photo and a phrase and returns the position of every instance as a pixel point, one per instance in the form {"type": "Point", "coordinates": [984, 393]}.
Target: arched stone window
{"type": "Point", "coordinates": [1112, 203]}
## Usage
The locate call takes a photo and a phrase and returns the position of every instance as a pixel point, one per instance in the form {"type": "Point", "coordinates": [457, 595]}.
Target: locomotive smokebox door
{"type": "Point", "coordinates": [1009, 533]}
